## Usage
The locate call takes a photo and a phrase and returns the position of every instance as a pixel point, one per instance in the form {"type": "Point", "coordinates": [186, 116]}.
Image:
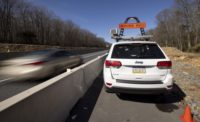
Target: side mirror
{"type": "Point", "coordinates": [114, 32]}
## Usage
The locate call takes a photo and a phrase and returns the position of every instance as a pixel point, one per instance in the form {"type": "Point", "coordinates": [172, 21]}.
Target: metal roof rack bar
{"type": "Point", "coordinates": [131, 38]}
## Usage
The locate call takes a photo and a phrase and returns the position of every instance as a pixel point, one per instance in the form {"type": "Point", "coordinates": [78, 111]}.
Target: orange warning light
{"type": "Point", "coordinates": [132, 25]}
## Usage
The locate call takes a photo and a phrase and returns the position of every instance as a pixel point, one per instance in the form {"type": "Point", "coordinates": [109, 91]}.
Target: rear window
{"type": "Point", "coordinates": [40, 52]}
{"type": "Point", "coordinates": [137, 51]}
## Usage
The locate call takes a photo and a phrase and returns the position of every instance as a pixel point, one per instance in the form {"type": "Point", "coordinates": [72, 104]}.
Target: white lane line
{"type": "Point", "coordinates": [5, 80]}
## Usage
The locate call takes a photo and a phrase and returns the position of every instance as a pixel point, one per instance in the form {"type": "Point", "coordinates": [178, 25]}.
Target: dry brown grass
{"type": "Point", "coordinates": [188, 58]}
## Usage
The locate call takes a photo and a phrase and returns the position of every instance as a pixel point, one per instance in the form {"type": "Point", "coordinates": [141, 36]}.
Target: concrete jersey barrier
{"type": "Point", "coordinates": [52, 100]}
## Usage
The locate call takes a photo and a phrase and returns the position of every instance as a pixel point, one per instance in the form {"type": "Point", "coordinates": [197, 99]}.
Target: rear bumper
{"type": "Point", "coordinates": [137, 90]}
{"type": "Point", "coordinates": [112, 85]}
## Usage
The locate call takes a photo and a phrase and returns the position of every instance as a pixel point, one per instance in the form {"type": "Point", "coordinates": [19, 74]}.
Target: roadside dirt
{"type": "Point", "coordinates": [186, 71]}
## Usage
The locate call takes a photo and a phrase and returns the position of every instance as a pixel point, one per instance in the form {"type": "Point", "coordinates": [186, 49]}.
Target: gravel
{"type": "Point", "coordinates": [189, 82]}
{"type": "Point", "coordinates": [186, 72]}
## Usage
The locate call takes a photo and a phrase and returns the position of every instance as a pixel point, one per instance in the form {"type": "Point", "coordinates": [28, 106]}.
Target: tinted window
{"type": "Point", "coordinates": [41, 52]}
{"type": "Point", "coordinates": [137, 51]}
{"type": "Point", "coordinates": [61, 54]}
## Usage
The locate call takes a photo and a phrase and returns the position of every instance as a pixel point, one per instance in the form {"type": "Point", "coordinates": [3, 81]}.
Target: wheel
{"type": "Point", "coordinates": [107, 89]}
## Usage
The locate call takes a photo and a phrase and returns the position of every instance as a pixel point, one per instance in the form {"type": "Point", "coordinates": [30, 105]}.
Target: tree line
{"type": "Point", "coordinates": [179, 25]}
{"type": "Point", "coordinates": [21, 22]}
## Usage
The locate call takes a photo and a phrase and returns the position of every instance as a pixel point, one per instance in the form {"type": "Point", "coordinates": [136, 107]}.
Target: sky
{"type": "Point", "coordinates": [99, 16]}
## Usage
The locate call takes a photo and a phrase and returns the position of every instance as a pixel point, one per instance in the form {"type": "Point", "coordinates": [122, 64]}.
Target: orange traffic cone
{"type": "Point", "coordinates": [187, 116]}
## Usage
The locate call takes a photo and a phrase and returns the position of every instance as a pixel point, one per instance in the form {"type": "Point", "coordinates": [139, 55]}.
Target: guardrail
{"type": "Point", "coordinates": [52, 100]}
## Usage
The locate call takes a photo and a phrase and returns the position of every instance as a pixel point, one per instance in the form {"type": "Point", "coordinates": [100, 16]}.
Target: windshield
{"type": "Point", "coordinates": [40, 52]}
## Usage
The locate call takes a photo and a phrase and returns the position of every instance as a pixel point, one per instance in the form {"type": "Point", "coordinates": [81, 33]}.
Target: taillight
{"type": "Point", "coordinates": [36, 63]}
{"type": "Point", "coordinates": [109, 84]}
{"type": "Point", "coordinates": [164, 64]}
{"type": "Point", "coordinates": [113, 63]}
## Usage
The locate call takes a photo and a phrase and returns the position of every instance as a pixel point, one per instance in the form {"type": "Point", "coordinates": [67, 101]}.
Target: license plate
{"type": "Point", "coordinates": [139, 70]}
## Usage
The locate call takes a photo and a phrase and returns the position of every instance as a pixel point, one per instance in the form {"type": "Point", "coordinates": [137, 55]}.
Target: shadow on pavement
{"type": "Point", "coordinates": [83, 109]}
{"type": "Point", "coordinates": [165, 102]}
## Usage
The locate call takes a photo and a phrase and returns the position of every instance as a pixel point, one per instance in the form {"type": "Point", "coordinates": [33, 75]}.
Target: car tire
{"type": "Point", "coordinates": [107, 89]}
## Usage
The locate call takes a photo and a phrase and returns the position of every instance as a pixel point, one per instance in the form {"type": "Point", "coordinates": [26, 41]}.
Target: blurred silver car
{"type": "Point", "coordinates": [37, 64]}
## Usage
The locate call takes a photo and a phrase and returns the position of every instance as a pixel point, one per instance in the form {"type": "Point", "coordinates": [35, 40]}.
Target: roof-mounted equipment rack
{"type": "Point", "coordinates": [119, 35]}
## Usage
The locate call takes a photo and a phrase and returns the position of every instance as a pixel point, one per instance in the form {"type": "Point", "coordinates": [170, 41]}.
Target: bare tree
{"type": "Point", "coordinates": [22, 22]}
{"type": "Point", "coordinates": [179, 25]}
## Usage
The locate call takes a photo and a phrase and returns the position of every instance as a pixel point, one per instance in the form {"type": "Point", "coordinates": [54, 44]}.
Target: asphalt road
{"type": "Point", "coordinates": [9, 89]}
{"type": "Point", "coordinates": [99, 106]}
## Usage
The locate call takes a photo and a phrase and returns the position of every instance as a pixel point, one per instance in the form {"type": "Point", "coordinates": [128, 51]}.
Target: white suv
{"type": "Point", "coordinates": [137, 67]}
